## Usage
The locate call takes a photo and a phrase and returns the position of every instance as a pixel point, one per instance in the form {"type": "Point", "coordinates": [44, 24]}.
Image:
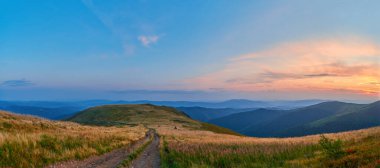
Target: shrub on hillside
{"type": "Point", "coordinates": [331, 148]}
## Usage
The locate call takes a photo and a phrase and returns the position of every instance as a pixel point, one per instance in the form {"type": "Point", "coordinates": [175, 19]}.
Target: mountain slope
{"type": "Point", "coordinates": [365, 117]}
{"type": "Point", "coordinates": [145, 114]}
{"type": "Point", "coordinates": [240, 121]}
{"type": "Point", "coordinates": [54, 113]}
{"type": "Point", "coordinates": [320, 118]}
{"type": "Point", "coordinates": [205, 114]}
{"type": "Point", "coordinates": [301, 116]}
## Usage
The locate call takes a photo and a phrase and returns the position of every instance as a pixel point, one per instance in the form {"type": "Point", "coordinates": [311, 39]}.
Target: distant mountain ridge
{"type": "Point", "coordinates": [63, 109]}
{"type": "Point", "coordinates": [233, 103]}
{"type": "Point", "coordinates": [206, 114]}
{"type": "Point", "coordinates": [324, 117]}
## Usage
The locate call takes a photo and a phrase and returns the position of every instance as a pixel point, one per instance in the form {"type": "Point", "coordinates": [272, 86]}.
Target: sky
{"type": "Point", "coordinates": [189, 50]}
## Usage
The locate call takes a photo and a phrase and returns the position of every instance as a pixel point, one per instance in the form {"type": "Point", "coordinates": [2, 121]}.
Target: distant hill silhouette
{"type": "Point", "coordinates": [205, 114]}
{"type": "Point", "coordinates": [325, 117]}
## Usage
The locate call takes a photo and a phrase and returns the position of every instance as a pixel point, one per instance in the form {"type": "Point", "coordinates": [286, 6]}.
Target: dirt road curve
{"type": "Point", "coordinates": [150, 158]}
{"type": "Point", "coordinates": [108, 160]}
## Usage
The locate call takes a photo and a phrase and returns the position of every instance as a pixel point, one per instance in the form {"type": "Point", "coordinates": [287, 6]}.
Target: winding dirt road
{"type": "Point", "coordinates": [150, 157]}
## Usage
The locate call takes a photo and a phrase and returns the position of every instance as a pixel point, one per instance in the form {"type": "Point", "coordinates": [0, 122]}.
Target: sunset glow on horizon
{"type": "Point", "coordinates": [349, 65]}
{"type": "Point", "coordinates": [190, 50]}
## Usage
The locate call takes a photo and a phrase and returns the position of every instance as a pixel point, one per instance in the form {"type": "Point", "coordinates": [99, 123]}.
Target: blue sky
{"type": "Point", "coordinates": [187, 50]}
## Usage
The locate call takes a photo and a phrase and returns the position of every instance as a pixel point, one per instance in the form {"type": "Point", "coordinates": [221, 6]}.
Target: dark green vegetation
{"type": "Point", "coordinates": [145, 114]}
{"type": "Point", "coordinates": [206, 114]}
{"type": "Point", "coordinates": [325, 117]}
{"type": "Point", "coordinates": [331, 148]}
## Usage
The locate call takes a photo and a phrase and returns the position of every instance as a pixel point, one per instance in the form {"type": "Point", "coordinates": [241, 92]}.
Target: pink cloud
{"type": "Point", "coordinates": [349, 64]}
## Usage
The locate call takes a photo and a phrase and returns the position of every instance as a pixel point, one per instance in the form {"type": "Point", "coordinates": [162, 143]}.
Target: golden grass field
{"type": "Point", "coordinates": [198, 136]}
{"type": "Point", "coordinates": [189, 148]}
{"type": "Point", "coordinates": [27, 141]}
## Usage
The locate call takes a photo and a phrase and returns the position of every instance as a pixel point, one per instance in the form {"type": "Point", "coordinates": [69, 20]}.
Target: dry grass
{"type": "Point", "coordinates": [27, 141]}
{"type": "Point", "coordinates": [188, 148]}
{"type": "Point", "coordinates": [191, 136]}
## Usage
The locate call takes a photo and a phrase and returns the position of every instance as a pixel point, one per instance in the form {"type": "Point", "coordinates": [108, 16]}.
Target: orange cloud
{"type": "Point", "coordinates": [350, 64]}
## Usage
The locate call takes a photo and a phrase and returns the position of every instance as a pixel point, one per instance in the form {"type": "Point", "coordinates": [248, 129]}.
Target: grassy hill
{"type": "Point", "coordinates": [145, 114]}
{"type": "Point", "coordinates": [27, 141]}
{"type": "Point", "coordinates": [320, 118]}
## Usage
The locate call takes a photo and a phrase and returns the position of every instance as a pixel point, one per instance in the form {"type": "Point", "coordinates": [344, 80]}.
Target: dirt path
{"type": "Point", "coordinates": [108, 160]}
{"type": "Point", "coordinates": [150, 158]}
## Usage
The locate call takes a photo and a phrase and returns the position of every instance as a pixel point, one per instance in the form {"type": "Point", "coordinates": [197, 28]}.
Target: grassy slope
{"type": "Point", "coordinates": [201, 149]}
{"type": "Point", "coordinates": [146, 114]}
{"type": "Point", "coordinates": [33, 142]}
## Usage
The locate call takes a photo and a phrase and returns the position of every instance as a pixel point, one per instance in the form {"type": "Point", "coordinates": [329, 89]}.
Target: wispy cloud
{"type": "Point", "coordinates": [17, 83]}
{"type": "Point", "coordinates": [148, 40]}
{"type": "Point", "coordinates": [327, 64]}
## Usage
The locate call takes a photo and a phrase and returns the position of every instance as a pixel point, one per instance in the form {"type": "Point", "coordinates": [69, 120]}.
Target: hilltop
{"type": "Point", "coordinates": [146, 114]}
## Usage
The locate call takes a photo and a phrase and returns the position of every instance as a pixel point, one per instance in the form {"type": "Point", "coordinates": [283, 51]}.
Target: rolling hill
{"type": "Point", "coordinates": [320, 118]}
{"type": "Point", "coordinates": [240, 121]}
{"type": "Point", "coordinates": [364, 117]}
{"type": "Point", "coordinates": [206, 114]}
{"type": "Point", "coordinates": [142, 114]}
{"type": "Point", "coordinates": [54, 113]}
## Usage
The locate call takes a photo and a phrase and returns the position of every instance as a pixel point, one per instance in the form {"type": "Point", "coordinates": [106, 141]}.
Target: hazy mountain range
{"type": "Point", "coordinates": [320, 118]}
{"type": "Point", "coordinates": [62, 109]}
{"type": "Point", "coordinates": [252, 118]}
